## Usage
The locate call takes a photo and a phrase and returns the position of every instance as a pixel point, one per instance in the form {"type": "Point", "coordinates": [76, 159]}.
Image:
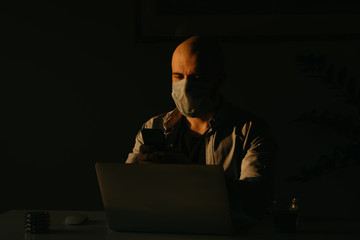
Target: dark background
{"type": "Point", "coordinates": [76, 86]}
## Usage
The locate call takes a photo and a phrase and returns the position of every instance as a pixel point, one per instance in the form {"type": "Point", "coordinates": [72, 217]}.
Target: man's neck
{"type": "Point", "coordinates": [199, 126]}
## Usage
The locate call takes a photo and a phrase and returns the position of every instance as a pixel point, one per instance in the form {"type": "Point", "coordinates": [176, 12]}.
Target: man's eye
{"type": "Point", "coordinates": [195, 77]}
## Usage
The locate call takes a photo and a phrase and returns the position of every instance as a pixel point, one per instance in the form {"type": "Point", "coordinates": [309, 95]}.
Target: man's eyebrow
{"type": "Point", "coordinates": [175, 73]}
{"type": "Point", "coordinates": [195, 75]}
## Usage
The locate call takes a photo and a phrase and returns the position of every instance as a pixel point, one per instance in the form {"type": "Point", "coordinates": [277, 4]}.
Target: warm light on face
{"type": "Point", "coordinates": [185, 66]}
{"type": "Point", "coordinates": [176, 77]}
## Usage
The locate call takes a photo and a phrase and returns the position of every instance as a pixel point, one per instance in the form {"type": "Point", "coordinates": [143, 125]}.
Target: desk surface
{"type": "Point", "coordinates": [12, 227]}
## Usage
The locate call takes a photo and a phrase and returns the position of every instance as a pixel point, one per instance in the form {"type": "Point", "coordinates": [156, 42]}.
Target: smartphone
{"type": "Point", "coordinates": [154, 137]}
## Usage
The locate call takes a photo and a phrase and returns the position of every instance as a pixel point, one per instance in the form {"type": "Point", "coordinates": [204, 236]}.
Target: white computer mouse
{"type": "Point", "coordinates": [76, 219]}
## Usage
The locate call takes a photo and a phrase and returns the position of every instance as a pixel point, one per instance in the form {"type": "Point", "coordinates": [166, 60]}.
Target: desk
{"type": "Point", "coordinates": [12, 228]}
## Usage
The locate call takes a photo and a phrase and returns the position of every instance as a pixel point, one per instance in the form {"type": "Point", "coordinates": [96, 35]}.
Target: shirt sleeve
{"type": "Point", "coordinates": [260, 150]}
{"type": "Point", "coordinates": [139, 141]}
{"type": "Point", "coordinates": [136, 149]}
{"type": "Point", "coordinates": [254, 188]}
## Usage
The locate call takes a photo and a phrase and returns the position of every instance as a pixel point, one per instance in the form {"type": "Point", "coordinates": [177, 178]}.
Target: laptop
{"type": "Point", "coordinates": [165, 198]}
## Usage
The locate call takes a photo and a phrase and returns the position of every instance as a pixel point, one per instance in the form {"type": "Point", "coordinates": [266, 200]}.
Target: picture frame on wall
{"type": "Point", "coordinates": [258, 20]}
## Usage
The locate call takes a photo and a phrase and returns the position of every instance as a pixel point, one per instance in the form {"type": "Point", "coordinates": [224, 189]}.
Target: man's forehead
{"type": "Point", "coordinates": [185, 55]}
{"type": "Point", "coordinates": [184, 58]}
{"type": "Point", "coordinates": [187, 49]}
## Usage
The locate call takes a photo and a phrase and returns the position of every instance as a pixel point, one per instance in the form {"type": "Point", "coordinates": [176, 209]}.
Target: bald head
{"type": "Point", "coordinates": [198, 56]}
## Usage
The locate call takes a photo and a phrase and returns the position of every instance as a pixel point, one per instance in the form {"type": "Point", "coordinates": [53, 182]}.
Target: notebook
{"type": "Point", "coordinates": [168, 198]}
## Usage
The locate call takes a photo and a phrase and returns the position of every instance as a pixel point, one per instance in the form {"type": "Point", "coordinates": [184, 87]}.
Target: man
{"type": "Point", "coordinates": [205, 129]}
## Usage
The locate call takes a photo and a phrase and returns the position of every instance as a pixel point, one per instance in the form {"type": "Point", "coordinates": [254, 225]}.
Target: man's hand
{"type": "Point", "coordinates": [151, 154]}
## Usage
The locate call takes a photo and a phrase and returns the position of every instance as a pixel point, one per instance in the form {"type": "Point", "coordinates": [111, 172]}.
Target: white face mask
{"type": "Point", "coordinates": [193, 98]}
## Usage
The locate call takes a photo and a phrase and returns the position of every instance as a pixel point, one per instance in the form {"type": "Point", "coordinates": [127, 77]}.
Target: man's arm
{"type": "Point", "coordinates": [253, 190]}
{"type": "Point", "coordinates": [132, 157]}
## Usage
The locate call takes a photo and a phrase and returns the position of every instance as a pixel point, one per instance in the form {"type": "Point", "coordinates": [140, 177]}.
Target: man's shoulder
{"type": "Point", "coordinates": [244, 120]}
{"type": "Point", "coordinates": [158, 120]}
{"type": "Point", "coordinates": [239, 116]}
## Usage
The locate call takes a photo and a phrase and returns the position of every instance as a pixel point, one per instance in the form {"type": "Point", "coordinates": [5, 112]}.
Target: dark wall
{"type": "Point", "coordinates": [76, 87]}
{"type": "Point", "coordinates": [70, 99]}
